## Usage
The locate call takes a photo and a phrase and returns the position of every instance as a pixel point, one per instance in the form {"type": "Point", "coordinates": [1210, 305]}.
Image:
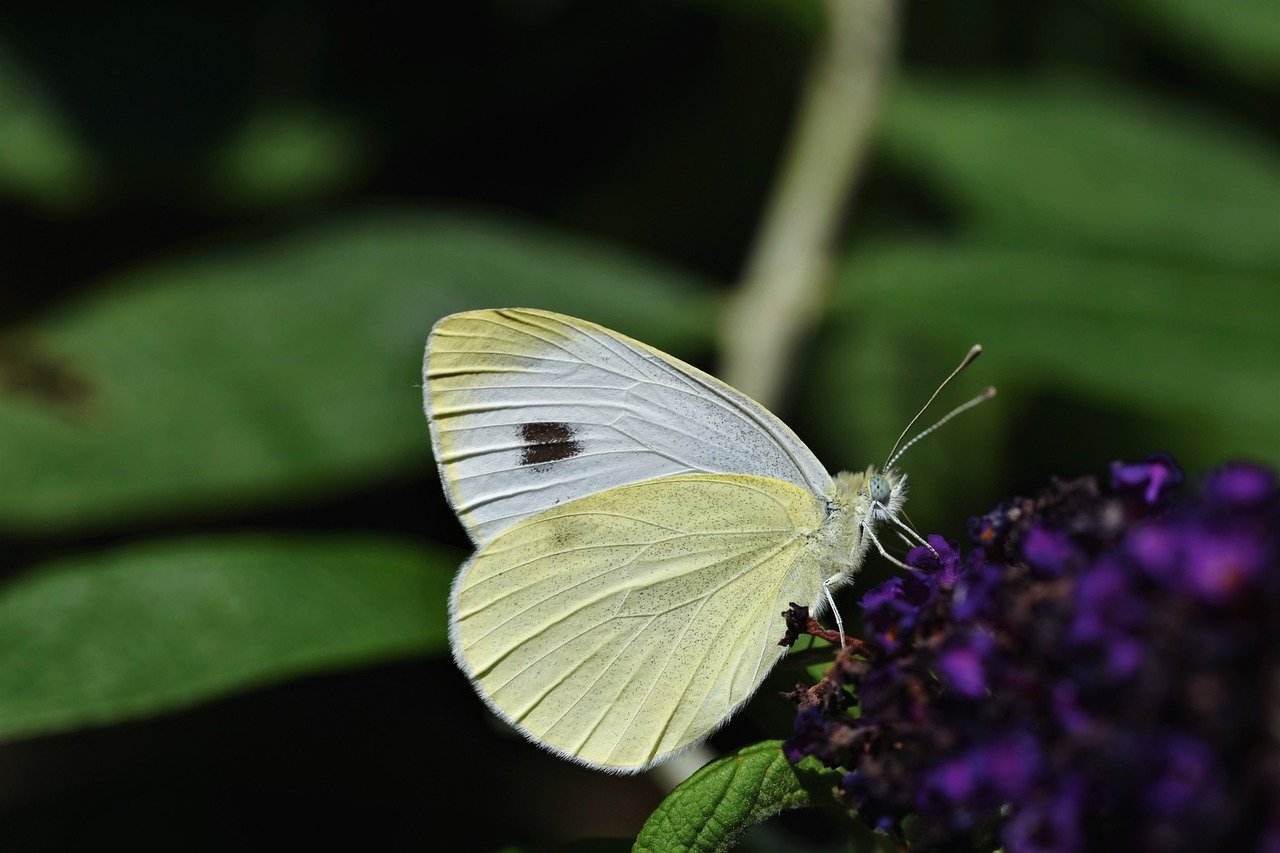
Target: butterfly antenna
{"type": "Point", "coordinates": [974, 352]}
{"type": "Point", "coordinates": [963, 407]}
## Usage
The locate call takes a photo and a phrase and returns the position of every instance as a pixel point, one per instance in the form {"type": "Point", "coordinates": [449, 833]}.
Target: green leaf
{"type": "Point", "coordinates": [1243, 35]}
{"type": "Point", "coordinates": [42, 161]}
{"type": "Point", "coordinates": [1190, 355]}
{"type": "Point", "coordinates": [286, 368]}
{"type": "Point", "coordinates": [1069, 164]}
{"type": "Point", "coordinates": [287, 154]}
{"type": "Point", "coordinates": [713, 807]}
{"type": "Point", "coordinates": [145, 629]}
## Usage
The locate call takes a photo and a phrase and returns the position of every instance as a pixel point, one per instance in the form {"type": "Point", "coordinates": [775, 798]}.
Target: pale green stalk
{"type": "Point", "coordinates": [784, 280]}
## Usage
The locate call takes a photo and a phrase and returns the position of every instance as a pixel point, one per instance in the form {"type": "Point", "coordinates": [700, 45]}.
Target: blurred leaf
{"type": "Point", "coordinates": [150, 628]}
{"type": "Point", "coordinates": [41, 160]}
{"type": "Point", "coordinates": [286, 368]}
{"type": "Point", "coordinates": [1242, 34]}
{"type": "Point", "coordinates": [710, 809]}
{"type": "Point", "coordinates": [1191, 353]}
{"type": "Point", "coordinates": [287, 154]}
{"type": "Point", "coordinates": [1069, 164]}
{"type": "Point", "coordinates": [1138, 333]}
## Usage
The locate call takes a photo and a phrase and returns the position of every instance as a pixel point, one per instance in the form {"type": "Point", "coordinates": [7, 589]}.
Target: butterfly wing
{"type": "Point", "coordinates": [530, 409]}
{"type": "Point", "coordinates": [620, 628]}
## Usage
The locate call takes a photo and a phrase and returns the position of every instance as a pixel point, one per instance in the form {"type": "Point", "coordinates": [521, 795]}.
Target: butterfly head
{"type": "Point", "coordinates": [871, 495]}
{"type": "Point", "coordinates": [884, 493]}
{"type": "Point", "coordinates": [879, 489]}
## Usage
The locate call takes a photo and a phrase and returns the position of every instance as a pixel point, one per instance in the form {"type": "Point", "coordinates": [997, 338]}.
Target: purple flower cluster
{"type": "Point", "coordinates": [1101, 672]}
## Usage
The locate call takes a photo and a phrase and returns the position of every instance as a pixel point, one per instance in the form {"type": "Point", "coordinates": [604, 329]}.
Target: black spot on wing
{"type": "Point", "coordinates": [547, 442]}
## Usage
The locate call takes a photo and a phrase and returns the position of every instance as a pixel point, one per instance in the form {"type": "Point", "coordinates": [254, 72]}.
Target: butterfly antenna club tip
{"type": "Point", "coordinates": [969, 357]}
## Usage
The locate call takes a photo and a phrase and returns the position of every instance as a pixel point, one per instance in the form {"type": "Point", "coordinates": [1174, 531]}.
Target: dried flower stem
{"type": "Point", "coordinates": [800, 622]}
{"type": "Point", "coordinates": [782, 289]}
{"type": "Point", "coordinates": [852, 645]}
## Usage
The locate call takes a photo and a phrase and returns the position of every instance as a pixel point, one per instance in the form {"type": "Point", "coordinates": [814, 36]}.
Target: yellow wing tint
{"type": "Point", "coordinates": [627, 625]}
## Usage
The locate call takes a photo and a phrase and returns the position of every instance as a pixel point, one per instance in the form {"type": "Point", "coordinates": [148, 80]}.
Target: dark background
{"type": "Point", "coordinates": [1089, 188]}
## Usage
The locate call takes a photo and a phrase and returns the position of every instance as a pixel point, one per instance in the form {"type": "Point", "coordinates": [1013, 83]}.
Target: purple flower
{"type": "Point", "coordinates": [982, 777]}
{"type": "Point", "coordinates": [887, 612]}
{"type": "Point", "coordinates": [1049, 823]}
{"type": "Point", "coordinates": [941, 561]}
{"type": "Point", "coordinates": [1235, 486]}
{"type": "Point", "coordinates": [974, 593]}
{"type": "Point", "coordinates": [1098, 673]}
{"type": "Point", "coordinates": [1067, 711]}
{"type": "Point", "coordinates": [1154, 550]}
{"type": "Point", "coordinates": [1155, 477]}
{"type": "Point", "coordinates": [1217, 563]}
{"type": "Point", "coordinates": [963, 664]}
{"type": "Point", "coordinates": [810, 735]}
{"type": "Point", "coordinates": [1109, 610]}
{"type": "Point", "coordinates": [1049, 551]}
{"type": "Point", "coordinates": [893, 608]}
{"type": "Point", "coordinates": [1222, 567]}
{"type": "Point", "coordinates": [1185, 766]}
{"type": "Point", "coordinates": [1012, 764]}
{"type": "Point", "coordinates": [986, 530]}
{"type": "Point", "coordinates": [950, 782]}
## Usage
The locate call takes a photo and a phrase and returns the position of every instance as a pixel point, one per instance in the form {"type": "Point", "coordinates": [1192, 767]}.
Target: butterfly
{"type": "Point", "coordinates": [639, 528]}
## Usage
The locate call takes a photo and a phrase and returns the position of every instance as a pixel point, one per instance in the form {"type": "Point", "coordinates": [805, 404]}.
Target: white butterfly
{"type": "Point", "coordinates": [640, 526]}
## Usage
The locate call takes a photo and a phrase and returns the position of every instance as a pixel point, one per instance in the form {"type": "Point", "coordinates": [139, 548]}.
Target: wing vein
{"type": "Point", "coordinates": [675, 646]}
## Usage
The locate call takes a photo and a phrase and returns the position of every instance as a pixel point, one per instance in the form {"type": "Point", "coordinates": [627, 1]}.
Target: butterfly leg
{"type": "Point", "coordinates": [826, 589]}
{"type": "Point", "coordinates": [867, 529]}
{"type": "Point", "coordinates": [917, 536]}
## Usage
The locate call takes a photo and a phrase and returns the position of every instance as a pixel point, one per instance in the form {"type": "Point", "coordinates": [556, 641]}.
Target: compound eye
{"type": "Point", "coordinates": [879, 489]}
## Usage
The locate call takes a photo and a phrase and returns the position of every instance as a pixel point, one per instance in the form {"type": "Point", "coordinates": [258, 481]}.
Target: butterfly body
{"type": "Point", "coordinates": [843, 547]}
{"type": "Point", "coordinates": [639, 525]}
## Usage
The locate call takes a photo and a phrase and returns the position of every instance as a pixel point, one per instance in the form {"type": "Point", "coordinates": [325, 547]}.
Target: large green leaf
{"type": "Point", "coordinates": [146, 629]}
{"type": "Point", "coordinates": [1080, 165]}
{"type": "Point", "coordinates": [1241, 34]}
{"type": "Point", "coordinates": [286, 367]}
{"type": "Point", "coordinates": [713, 807]}
{"type": "Point", "coordinates": [1189, 356]}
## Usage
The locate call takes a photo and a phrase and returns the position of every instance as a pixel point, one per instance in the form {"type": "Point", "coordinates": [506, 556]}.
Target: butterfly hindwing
{"type": "Point", "coordinates": [624, 626]}
{"type": "Point", "coordinates": [530, 409]}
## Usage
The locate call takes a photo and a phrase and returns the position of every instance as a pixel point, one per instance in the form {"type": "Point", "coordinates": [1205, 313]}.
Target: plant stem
{"type": "Point", "coordinates": [783, 285]}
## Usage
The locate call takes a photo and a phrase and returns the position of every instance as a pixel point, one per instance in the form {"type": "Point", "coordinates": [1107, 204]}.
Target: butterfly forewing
{"type": "Point", "coordinates": [624, 626]}
{"type": "Point", "coordinates": [531, 409]}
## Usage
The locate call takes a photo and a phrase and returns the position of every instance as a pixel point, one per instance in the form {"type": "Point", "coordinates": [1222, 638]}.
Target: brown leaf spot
{"type": "Point", "coordinates": [27, 371]}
